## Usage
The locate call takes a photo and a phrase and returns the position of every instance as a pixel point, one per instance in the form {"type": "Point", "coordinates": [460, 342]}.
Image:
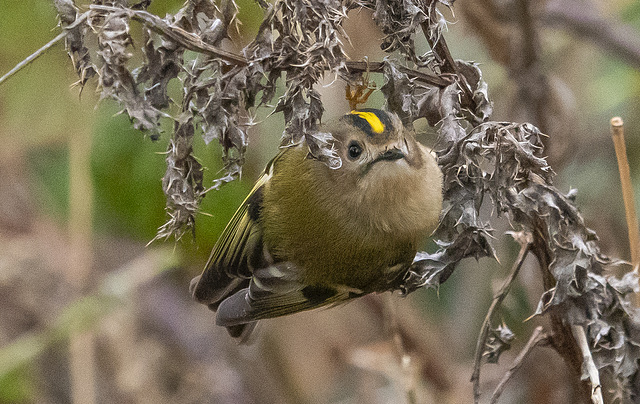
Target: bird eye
{"type": "Point", "coordinates": [355, 150]}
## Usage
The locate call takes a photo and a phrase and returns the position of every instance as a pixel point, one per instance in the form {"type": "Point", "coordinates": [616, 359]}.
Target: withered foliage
{"type": "Point", "coordinates": [297, 43]}
{"type": "Point", "coordinates": [499, 341]}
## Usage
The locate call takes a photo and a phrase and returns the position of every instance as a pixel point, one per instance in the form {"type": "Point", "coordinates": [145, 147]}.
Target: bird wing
{"type": "Point", "coordinates": [275, 291]}
{"type": "Point", "coordinates": [237, 251]}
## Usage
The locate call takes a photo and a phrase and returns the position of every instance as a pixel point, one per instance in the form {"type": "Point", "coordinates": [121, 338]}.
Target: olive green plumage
{"type": "Point", "coordinates": [309, 235]}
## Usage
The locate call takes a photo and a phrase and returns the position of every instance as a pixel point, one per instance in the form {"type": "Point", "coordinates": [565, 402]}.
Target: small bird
{"type": "Point", "coordinates": [310, 235]}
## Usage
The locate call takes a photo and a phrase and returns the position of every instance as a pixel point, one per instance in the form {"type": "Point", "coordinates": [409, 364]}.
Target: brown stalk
{"type": "Point", "coordinates": [617, 134]}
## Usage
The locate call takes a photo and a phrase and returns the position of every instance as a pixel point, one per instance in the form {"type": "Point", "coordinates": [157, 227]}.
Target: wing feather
{"type": "Point", "coordinates": [276, 291]}
{"type": "Point", "coordinates": [228, 268]}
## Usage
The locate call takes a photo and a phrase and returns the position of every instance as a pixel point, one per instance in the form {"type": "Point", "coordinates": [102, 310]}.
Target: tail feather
{"type": "Point", "coordinates": [242, 333]}
{"type": "Point", "coordinates": [202, 292]}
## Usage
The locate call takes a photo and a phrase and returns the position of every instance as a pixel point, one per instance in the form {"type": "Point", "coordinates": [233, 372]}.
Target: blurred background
{"type": "Point", "coordinates": [89, 313]}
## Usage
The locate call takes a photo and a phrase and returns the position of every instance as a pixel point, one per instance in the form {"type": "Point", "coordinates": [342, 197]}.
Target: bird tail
{"type": "Point", "coordinates": [202, 292]}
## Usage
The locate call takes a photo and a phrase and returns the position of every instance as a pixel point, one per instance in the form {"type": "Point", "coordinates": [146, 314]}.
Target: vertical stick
{"type": "Point", "coordinates": [588, 364]}
{"type": "Point", "coordinates": [82, 343]}
{"type": "Point", "coordinates": [617, 133]}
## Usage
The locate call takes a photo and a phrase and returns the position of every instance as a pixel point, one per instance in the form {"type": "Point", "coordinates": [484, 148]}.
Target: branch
{"type": "Point", "coordinates": [561, 337]}
{"type": "Point", "coordinates": [443, 55]}
{"type": "Point", "coordinates": [404, 358]}
{"type": "Point", "coordinates": [187, 39]}
{"type": "Point", "coordinates": [378, 67]}
{"type": "Point", "coordinates": [44, 48]}
{"type": "Point", "coordinates": [438, 44]}
{"type": "Point", "coordinates": [536, 338]}
{"type": "Point", "coordinates": [426, 354]}
{"type": "Point", "coordinates": [441, 50]}
{"type": "Point", "coordinates": [530, 43]}
{"type": "Point", "coordinates": [193, 42]}
{"type": "Point", "coordinates": [525, 241]}
{"type": "Point", "coordinates": [589, 364]}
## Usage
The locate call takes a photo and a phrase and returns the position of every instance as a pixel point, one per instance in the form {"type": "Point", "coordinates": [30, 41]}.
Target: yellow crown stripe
{"type": "Point", "coordinates": [376, 125]}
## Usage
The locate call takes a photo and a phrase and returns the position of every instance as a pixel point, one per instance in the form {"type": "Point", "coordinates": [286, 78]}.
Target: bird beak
{"type": "Point", "coordinates": [388, 155]}
{"type": "Point", "coordinates": [391, 154]}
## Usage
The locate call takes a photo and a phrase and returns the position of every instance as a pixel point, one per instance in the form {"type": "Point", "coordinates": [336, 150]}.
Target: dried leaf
{"type": "Point", "coordinates": [473, 79]}
{"type": "Point", "coordinates": [74, 41]}
{"type": "Point", "coordinates": [499, 340]}
{"type": "Point", "coordinates": [116, 80]}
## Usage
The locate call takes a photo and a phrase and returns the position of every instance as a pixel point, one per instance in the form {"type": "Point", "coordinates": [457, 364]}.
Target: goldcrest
{"type": "Point", "coordinates": [309, 235]}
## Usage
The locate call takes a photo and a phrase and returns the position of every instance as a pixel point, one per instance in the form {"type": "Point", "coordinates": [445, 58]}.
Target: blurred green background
{"type": "Point", "coordinates": [149, 343]}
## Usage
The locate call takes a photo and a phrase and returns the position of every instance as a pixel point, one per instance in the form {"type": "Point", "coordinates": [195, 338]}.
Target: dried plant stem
{"type": "Point", "coordinates": [43, 49]}
{"type": "Point", "coordinates": [377, 67]}
{"type": "Point", "coordinates": [443, 55]}
{"type": "Point", "coordinates": [589, 364]}
{"type": "Point", "coordinates": [617, 133]}
{"type": "Point", "coordinates": [536, 338]}
{"type": "Point", "coordinates": [187, 39]}
{"type": "Point", "coordinates": [33, 56]}
{"type": "Point", "coordinates": [194, 43]}
{"type": "Point", "coordinates": [439, 46]}
{"type": "Point", "coordinates": [82, 343]}
{"type": "Point", "coordinates": [525, 245]}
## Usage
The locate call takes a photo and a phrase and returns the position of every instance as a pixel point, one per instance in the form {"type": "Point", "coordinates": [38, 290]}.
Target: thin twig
{"type": "Point", "coordinates": [588, 364]}
{"type": "Point", "coordinates": [536, 338]}
{"type": "Point", "coordinates": [82, 345]}
{"type": "Point", "coordinates": [378, 67]}
{"type": "Point", "coordinates": [617, 134]}
{"type": "Point", "coordinates": [525, 245]}
{"type": "Point", "coordinates": [43, 49]}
